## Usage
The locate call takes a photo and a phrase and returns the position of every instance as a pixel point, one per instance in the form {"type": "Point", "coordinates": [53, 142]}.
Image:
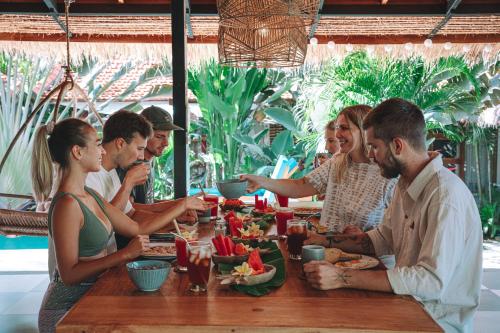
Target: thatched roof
{"type": "Point", "coordinates": [142, 29]}
{"type": "Point", "coordinates": [198, 53]}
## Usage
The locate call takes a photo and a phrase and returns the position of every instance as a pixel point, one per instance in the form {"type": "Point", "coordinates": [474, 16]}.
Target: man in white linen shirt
{"type": "Point", "coordinates": [432, 226]}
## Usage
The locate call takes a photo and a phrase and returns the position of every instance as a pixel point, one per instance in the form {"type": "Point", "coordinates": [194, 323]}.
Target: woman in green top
{"type": "Point", "coordinates": [80, 221]}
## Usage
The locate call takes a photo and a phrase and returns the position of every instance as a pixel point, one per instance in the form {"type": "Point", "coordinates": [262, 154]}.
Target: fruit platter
{"type": "Point", "coordinates": [251, 272]}
{"type": "Point", "coordinates": [228, 252]}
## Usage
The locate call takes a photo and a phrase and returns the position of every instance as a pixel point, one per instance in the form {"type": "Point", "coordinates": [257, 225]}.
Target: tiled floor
{"type": "Point", "coordinates": [22, 287]}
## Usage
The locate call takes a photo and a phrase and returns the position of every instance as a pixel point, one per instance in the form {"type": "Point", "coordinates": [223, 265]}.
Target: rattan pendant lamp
{"type": "Point", "coordinates": [264, 33]}
{"type": "Point", "coordinates": [33, 223]}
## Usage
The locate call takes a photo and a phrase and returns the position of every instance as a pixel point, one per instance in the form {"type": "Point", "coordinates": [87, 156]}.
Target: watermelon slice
{"type": "Point", "coordinates": [228, 243]}
{"type": "Point", "coordinates": [223, 249]}
{"type": "Point", "coordinates": [240, 249]}
{"type": "Point", "coordinates": [256, 263]}
{"type": "Point", "coordinates": [235, 224]}
{"type": "Point", "coordinates": [217, 245]}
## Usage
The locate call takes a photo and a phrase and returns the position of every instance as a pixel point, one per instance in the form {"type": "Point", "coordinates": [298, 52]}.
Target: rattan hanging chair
{"type": "Point", "coordinates": [18, 222]}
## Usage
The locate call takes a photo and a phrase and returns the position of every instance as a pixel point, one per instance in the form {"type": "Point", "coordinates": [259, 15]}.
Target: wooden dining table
{"type": "Point", "coordinates": [114, 304]}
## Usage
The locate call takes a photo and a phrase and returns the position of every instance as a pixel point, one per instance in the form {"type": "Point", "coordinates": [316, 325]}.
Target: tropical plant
{"type": "Point", "coordinates": [446, 90]}
{"type": "Point", "coordinates": [25, 81]}
{"type": "Point", "coordinates": [225, 96]}
{"type": "Point", "coordinates": [22, 86]}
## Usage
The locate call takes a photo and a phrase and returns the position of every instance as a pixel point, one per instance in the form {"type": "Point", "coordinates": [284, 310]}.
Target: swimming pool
{"type": "Point", "coordinates": [23, 242]}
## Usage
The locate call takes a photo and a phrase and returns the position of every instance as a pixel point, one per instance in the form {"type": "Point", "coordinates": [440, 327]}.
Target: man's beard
{"type": "Point", "coordinates": [390, 167]}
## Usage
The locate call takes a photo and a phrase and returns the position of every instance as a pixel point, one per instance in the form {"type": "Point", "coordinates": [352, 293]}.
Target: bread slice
{"type": "Point", "coordinates": [333, 255]}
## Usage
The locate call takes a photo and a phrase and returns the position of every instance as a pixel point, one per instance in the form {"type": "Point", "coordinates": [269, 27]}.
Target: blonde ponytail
{"type": "Point", "coordinates": [41, 166]}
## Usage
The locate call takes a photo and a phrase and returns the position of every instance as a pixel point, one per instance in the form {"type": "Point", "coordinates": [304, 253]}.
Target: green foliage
{"type": "Point", "coordinates": [232, 102]}
{"type": "Point", "coordinates": [24, 83]}
{"type": "Point", "coordinates": [446, 90]}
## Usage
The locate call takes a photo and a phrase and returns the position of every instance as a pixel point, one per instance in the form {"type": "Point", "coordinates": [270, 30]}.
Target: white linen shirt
{"type": "Point", "coordinates": [107, 184]}
{"type": "Point", "coordinates": [433, 228]}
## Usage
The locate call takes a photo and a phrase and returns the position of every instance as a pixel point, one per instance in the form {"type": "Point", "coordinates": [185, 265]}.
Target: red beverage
{"type": "Point", "coordinates": [283, 215]}
{"type": "Point", "coordinates": [297, 234]}
{"type": "Point", "coordinates": [182, 259]}
{"type": "Point", "coordinates": [200, 258]}
{"type": "Point", "coordinates": [282, 200]}
{"type": "Point", "coordinates": [215, 200]}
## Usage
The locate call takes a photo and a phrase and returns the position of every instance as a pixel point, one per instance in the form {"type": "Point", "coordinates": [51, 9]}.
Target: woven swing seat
{"type": "Point", "coordinates": [16, 222]}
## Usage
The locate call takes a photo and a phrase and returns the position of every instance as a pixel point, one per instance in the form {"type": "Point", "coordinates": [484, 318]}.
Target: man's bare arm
{"type": "Point", "coordinates": [359, 243]}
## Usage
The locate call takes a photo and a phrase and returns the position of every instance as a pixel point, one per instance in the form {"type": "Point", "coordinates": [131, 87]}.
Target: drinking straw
{"type": "Point", "coordinates": [176, 225]}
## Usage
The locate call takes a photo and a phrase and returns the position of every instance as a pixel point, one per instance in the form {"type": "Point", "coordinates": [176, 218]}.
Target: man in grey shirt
{"type": "Point", "coordinates": [432, 226]}
{"type": "Point", "coordinates": [162, 124]}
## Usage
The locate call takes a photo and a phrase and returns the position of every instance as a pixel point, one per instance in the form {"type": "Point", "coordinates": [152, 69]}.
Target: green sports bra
{"type": "Point", "coordinates": [94, 236]}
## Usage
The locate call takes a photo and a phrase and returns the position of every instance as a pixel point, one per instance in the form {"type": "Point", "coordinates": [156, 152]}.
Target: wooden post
{"type": "Point", "coordinates": [179, 96]}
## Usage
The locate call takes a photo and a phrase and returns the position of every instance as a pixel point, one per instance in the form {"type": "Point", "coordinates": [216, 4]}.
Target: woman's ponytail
{"type": "Point", "coordinates": [41, 165]}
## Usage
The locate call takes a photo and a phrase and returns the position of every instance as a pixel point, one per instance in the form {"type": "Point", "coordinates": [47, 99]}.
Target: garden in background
{"type": "Point", "coordinates": [245, 119]}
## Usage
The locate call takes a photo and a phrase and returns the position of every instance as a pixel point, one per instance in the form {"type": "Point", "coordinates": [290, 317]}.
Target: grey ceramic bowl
{"type": "Point", "coordinates": [229, 259]}
{"type": "Point", "coordinates": [261, 278]}
{"type": "Point", "coordinates": [232, 188]}
{"type": "Point", "coordinates": [148, 275]}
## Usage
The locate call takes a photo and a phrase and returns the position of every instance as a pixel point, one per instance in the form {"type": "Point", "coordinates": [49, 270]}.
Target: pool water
{"type": "Point", "coordinates": [23, 242]}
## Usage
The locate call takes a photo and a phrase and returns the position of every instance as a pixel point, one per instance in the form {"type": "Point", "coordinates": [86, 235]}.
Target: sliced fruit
{"type": "Point", "coordinates": [240, 249]}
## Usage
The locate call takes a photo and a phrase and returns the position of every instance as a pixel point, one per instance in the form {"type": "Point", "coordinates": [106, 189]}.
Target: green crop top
{"type": "Point", "coordinates": [93, 237]}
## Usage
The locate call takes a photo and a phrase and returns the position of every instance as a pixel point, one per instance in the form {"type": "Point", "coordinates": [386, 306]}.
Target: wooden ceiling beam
{"type": "Point", "coordinates": [352, 39]}
{"type": "Point", "coordinates": [329, 9]}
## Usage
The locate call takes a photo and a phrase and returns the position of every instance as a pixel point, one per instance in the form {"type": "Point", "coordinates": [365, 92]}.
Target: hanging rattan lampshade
{"type": "Point", "coordinates": [270, 14]}
{"type": "Point", "coordinates": [264, 47]}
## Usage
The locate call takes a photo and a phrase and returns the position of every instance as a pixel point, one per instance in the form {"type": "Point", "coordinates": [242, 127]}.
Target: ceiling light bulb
{"type": "Point", "coordinates": [388, 48]}
{"type": "Point", "coordinates": [428, 43]}
{"type": "Point", "coordinates": [408, 46]}
{"type": "Point", "coordinates": [349, 47]}
{"type": "Point", "coordinates": [263, 32]}
{"type": "Point", "coordinates": [313, 41]}
{"type": "Point", "coordinates": [331, 44]}
{"type": "Point", "coordinates": [447, 46]}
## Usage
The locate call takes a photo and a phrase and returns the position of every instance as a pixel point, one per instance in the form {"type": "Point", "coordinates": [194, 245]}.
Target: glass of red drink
{"type": "Point", "coordinates": [215, 200]}
{"type": "Point", "coordinates": [296, 235]}
{"type": "Point", "coordinates": [198, 265]}
{"type": "Point", "coordinates": [181, 251]}
{"type": "Point", "coordinates": [282, 200]}
{"type": "Point", "coordinates": [282, 216]}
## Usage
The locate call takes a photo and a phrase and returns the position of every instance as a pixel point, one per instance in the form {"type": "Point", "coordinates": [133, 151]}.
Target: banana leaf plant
{"type": "Point", "coordinates": [225, 96]}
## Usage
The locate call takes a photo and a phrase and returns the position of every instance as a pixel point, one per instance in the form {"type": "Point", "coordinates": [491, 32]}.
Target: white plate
{"type": "Point", "coordinates": [365, 262]}
{"type": "Point", "coordinates": [169, 254]}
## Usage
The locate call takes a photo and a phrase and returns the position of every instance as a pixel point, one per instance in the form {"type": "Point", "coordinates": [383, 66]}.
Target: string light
{"type": "Point", "coordinates": [408, 46]}
{"type": "Point", "coordinates": [428, 43]}
{"type": "Point", "coordinates": [388, 48]}
{"type": "Point", "coordinates": [331, 44]}
{"type": "Point", "coordinates": [349, 47]}
{"type": "Point", "coordinates": [313, 41]}
{"type": "Point", "coordinates": [447, 46]}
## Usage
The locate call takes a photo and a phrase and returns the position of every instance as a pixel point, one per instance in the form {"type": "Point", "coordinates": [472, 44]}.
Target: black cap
{"type": "Point", "coordinates": [160, 119]}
